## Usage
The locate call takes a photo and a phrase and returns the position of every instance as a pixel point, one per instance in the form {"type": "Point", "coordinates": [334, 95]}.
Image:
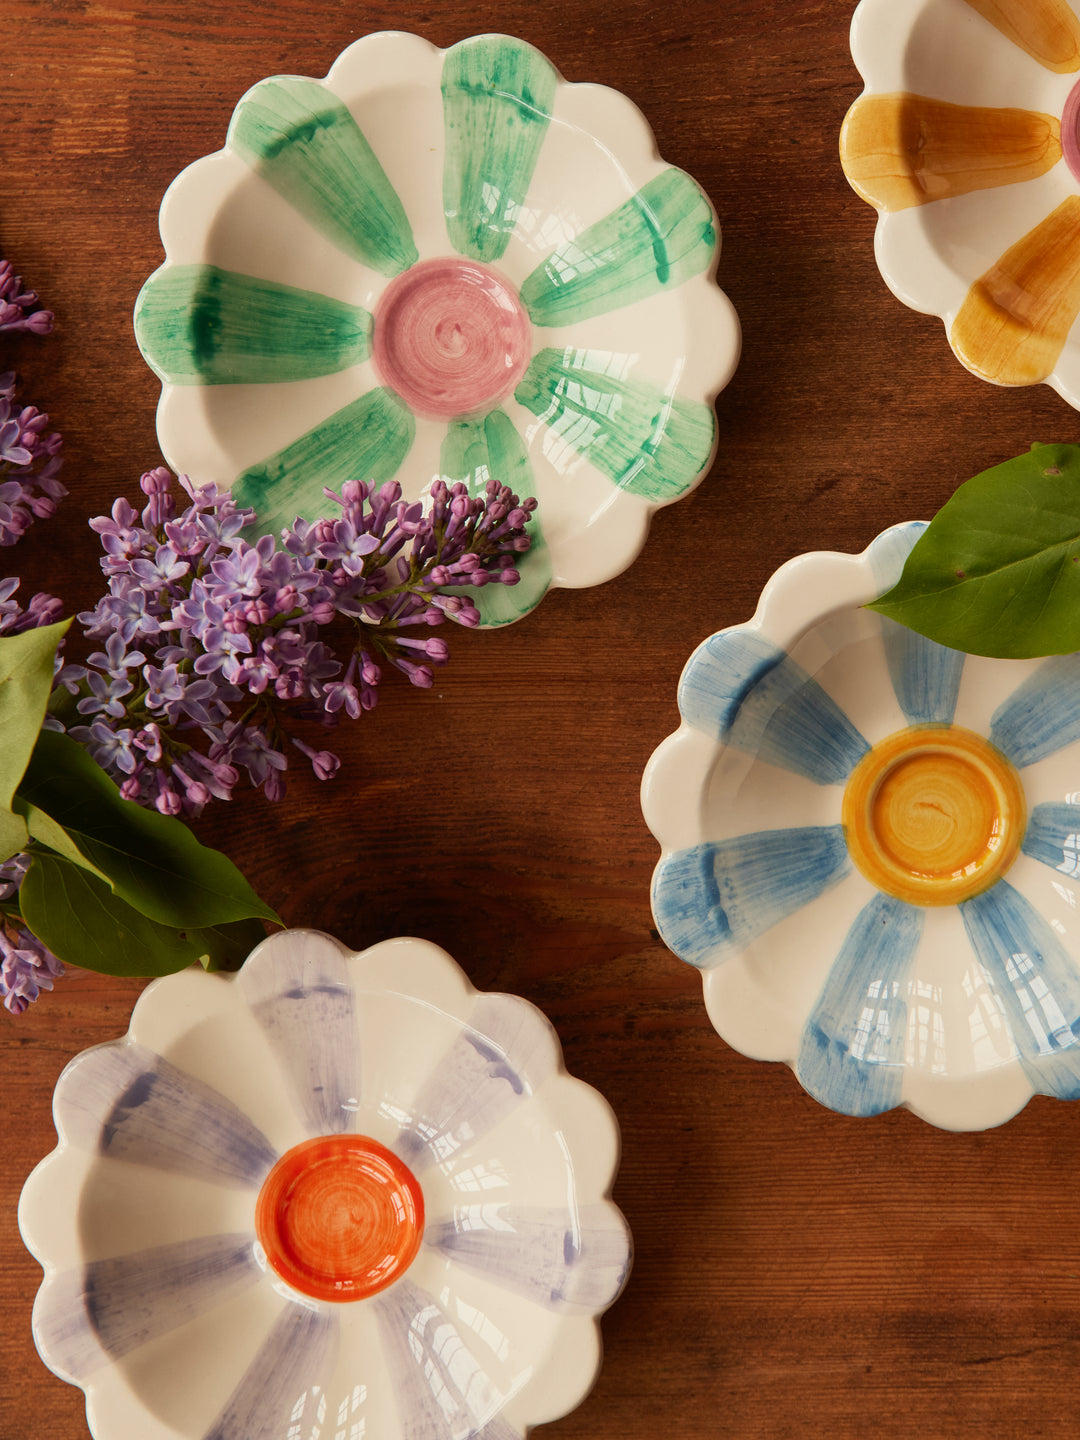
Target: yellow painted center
{"type": "Point", "coordinates": [934, 815]}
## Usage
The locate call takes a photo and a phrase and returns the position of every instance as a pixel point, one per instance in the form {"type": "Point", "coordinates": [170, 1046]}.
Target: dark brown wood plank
{"type": "Point", "coordinates": [798, 1274]}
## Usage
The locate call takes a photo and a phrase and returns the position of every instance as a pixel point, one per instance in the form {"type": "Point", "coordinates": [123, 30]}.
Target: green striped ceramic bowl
{"type": "Point", "coordinates": [443, 263]}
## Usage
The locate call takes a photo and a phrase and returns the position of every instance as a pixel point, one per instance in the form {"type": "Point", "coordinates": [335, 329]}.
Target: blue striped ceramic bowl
{"type": "Point", "coordinates": [444, 263]}
{"type": "Point", "coordinates": [227, 1173]}
{"type": "Point", "coordinates": [870, 850]}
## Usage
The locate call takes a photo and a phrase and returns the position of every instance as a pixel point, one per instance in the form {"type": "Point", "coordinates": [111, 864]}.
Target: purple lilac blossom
{"type": "Point", "coordinates": [214, 644]}
{"type": "Point", "coordinates": [26, 966]}
{"type": "Point", "coordinates": [18, 306]}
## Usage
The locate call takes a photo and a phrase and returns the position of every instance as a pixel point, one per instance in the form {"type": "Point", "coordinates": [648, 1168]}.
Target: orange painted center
{"type": "Point", "coordinates": [934, 815]}
{"type": "Point", "coordinates": [340, 1217]}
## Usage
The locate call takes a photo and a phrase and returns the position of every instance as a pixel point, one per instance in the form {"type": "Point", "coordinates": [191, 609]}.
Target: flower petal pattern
{"type": "Point", "coordinates": [394, 1045]}
{"type": "Point", "coordinates": [953, 991]}
{"type": "Point", "coordinates": [410, 164]}
{"type": "Point", "coordinates": [939, 142]}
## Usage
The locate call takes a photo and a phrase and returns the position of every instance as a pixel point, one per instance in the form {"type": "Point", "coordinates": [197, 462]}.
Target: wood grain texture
{"type": "Point", "coordinates": [798, 1274]}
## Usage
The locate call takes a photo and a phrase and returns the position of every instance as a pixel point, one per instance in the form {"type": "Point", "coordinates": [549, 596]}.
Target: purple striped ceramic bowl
{"type": "Point", "coordinates": [334, 1195]}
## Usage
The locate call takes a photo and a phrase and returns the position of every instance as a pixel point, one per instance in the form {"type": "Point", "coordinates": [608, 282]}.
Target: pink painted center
{"type": "Point", "coordinates": [450, 337]}
{"type": "Point", "coordinates": [1070, 121]}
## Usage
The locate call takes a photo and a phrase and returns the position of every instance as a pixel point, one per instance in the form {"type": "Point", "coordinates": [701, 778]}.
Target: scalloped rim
{"type": "Point", "coordinates": [569, 1370]}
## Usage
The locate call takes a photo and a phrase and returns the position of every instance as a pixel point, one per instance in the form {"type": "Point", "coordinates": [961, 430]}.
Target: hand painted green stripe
{"type": "Point", "coordinates": [367, 440]}
{"type": "Point", "coordinates": [305, 142]}
{"type": "Point", "coordinates": [662, 236]}
{"type": "Point", "coordinates": [497, 99]}
{"type": "Point", "coordinates": [198, 325]}
{"type": "Point", "coordinates": [643, 439]}
{"type": "Point", "coordinates": [476, 451]}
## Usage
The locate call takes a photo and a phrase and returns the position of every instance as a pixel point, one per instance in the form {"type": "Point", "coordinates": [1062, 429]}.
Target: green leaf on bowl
{"type": "Point", "coordinates": [84, 923]}
{"type": "Point", "coordinates": [26, 675]}
{"type": "Point", "coordinates": [152, 862]}
{"type": "Point", "coordinates": [997, 571]}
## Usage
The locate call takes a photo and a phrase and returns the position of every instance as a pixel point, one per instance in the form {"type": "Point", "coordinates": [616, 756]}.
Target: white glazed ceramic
{"type": "Point", "coordinates": [960, 1011]}
{"type": "Point", "coordinates": [965, 141]}
{"type": "Point", "coordinates": [444, 263]}
{"type": "Point", "coordinates": [158, 1297]}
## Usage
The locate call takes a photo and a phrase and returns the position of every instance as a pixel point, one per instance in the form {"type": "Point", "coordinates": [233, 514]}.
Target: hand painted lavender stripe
{"type": "Point", "coordinates": [713, 899]}
{"type": "Point", "coordinates": [300, 137]}
{"type": "Point", "coordinates": [158, 1115]}
{"type": "Point", "coordinates": [644, 439]}
{"type": "Point", "coordinates": [300, 990]}
{"type": "Point", "coordinates": [654, 242]}
{"type": "Point", "coordinates": [442, 1388]}
{"type": "Point", "coordinates": [508, 1049]}
{"type": "Point", "coordinates": [1035, 982]}
{"type": "Point", "coordinates": [925, 676]}
{"type": "Point", "coordinates": [497, 99]}
{"type": "Point", "coordinates": [110, 1307]}
{"type": "Point", "coordinates": [1042, 715]}
{"type": "Point", "coordinates": [287, 1377]}
{"type": "Point", "coordinates": [852, 1053]}
{"type": "Point", "coordinates": [558, 1260]}
{"type": "Point", "coordinates": [1053, 837]}
{"type": "Point", "coordinates": [751, 695]}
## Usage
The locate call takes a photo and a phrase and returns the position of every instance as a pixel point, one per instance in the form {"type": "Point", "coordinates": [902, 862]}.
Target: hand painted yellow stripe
{"type": "Point", "coordinates": [903, 150]}
{"type": "Point", "coordinates": [1012, 326]}
{"type": "Point", "coordinates": [1047, 29]}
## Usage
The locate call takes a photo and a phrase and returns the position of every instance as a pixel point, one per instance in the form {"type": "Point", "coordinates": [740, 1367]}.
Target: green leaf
{"type": "Point", "coordinates": [26, 675]}
{"type": "Point", "coordinates": [997, 571]}
{"type": "Point", "coordinates": [85, 924]}
{"type": "Point", "coordinates": [152, 862]}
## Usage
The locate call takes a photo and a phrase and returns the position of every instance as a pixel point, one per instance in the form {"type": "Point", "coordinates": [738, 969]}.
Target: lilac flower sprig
{"type": "Point", "coordinates": [214, 645]}
{"type": "Point", "coordinates": [26, 965]}
{"type": "Point", "coordinates": [29, 454]}
{"type": "Point", "coordinates": [30, 460]}
{"type": "Point", "coordinates": [18, 307]}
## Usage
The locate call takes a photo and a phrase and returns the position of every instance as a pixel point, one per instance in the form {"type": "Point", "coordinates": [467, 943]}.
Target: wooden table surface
{"type": "Point", "coordinates": [798, 1274]}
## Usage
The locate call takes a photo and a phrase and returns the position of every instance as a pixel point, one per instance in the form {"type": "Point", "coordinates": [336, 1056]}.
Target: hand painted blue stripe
{"type": "Point", "coordinates": [508, 1049]}
{"type": "Point", "coordinates": [558, 1260]}
{"type": "Point", "coordinates": [300, 991]}
{"type": "Point", "coordinates": [157, 1115]}
{"type": "Point", "coordinates": [1035, 982]}
{"type": "Point", "coordinates": [110, 1307]}
{"type": "Point", "coordinates": [283, 1385]}
{"type": "Point", "coordinates": [750, 694]}
{"type": "Point", "coordinates": [438, 1369]}
{"type": "Point", "coordinates": [713, 899]}
{"type": "Point", "coordinates": [925, 675]}
{"type": "Point", "coordinates": [889, 551]}
{"type": "Point", "coordinates": [852, 1053]}
{"type": "Point", "coordinates": [1042, 715]}
{"type": "Point", "coordinates": [1053, 836]}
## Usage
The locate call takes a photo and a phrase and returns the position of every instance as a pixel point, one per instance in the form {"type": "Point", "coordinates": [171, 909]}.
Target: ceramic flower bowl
{"type": "Point", "coordinates": [443, 263]}
{"type": "Point", "coordinates": [870, 849]}
{"type": "Point", "coordinates": [965, 141]}
{"type": "Point", "coordinates": [336, 1195]}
